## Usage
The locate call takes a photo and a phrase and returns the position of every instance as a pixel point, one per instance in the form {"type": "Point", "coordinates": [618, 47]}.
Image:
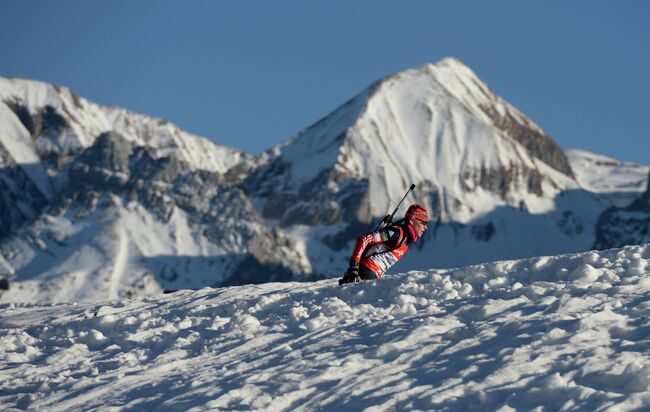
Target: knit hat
{"type": "Point", "coordinates": [415, 212]}
{"type": "Point", "coordinates": [418, 212]}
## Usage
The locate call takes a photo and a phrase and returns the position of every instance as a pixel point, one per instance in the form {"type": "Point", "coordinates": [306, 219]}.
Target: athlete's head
{"type": "Point", "coordinates": [417, 220]}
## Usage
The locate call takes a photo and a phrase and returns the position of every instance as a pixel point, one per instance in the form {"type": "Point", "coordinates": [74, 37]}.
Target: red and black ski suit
{"type": "Point", "coordinates": [377, 251]}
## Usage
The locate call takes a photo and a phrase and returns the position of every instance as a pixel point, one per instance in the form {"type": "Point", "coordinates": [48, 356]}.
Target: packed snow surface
{"type": "Point", "coordinates": [567, 332]}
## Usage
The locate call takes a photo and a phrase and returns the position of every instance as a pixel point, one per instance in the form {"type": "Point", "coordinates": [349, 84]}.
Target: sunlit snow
{"type": "Point", "coordinates": [567, 332]}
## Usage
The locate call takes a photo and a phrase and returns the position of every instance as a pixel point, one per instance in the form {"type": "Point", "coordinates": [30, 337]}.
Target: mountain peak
{"type": "Point", "coordinates": [452, 81]}
{"type": "Point", "coordinates": [452, 62]}
{"type": "Point", "coordinates": [458, 79]}
{"type": "Point", "coordinates": [451, 67]}
{"type": "Point", "coordinates": [438, 126]}
{"type": "Point", "coordinates": [447, 63]}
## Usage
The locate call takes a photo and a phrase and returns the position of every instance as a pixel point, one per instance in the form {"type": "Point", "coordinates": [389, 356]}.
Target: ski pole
{"type": "Point", "coordinates": [389, 218]}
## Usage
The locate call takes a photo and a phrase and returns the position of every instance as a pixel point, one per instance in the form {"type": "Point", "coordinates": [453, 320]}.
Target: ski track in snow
{"type": "Point", "coordinates": [567, 332]}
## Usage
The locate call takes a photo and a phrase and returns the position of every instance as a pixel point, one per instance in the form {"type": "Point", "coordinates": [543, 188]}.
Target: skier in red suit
{"type": "Point", "coordinates": [377, 251]}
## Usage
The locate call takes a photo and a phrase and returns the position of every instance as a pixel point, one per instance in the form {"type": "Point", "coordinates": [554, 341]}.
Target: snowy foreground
{"type": "Point", "coordinates": [568, 332]}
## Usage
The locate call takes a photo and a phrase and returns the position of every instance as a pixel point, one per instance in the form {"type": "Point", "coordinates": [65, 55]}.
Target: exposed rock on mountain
{"type": "Point", "coordinates": [136, 207]}
{"type": "Point", "coordinates": [620, 226]}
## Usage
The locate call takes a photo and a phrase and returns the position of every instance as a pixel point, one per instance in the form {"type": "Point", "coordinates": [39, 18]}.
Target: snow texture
{"type": "Point", "coordinates": [567, 332]}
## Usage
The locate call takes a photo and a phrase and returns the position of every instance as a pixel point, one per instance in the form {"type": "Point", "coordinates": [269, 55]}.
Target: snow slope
{"type": "Point", "coordinates": [567, 332]}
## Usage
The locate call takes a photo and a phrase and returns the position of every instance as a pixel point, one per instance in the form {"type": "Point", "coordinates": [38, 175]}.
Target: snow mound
{"type": "Point", "coordinates": [567, 332]}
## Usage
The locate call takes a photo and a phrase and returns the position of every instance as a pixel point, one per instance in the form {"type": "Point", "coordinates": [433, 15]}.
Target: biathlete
{"type": "Point", "coordinates": [375, 252]}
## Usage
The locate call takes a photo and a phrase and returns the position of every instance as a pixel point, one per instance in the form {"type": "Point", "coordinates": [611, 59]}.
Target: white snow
{"type": "Point", "coordinates": [567, 332]}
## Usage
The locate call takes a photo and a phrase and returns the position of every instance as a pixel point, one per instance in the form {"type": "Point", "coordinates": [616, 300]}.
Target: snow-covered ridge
{"type": "Point", "coordinates": [603, 174]}
{"type": "Point", "coordinates": [566, 332]}
{"type": "Point", "coordinates": [77, 123]}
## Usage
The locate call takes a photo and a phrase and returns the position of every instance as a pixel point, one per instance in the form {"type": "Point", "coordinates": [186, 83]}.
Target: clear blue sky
{"type": "Point", "coordinates": [249, 74]}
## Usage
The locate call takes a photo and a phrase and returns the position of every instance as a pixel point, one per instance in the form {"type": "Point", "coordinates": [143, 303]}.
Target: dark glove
{"type": "Point", "coordinates": [351, 276]}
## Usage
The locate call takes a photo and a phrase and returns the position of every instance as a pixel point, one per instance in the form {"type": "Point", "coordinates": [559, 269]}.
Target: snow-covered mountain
{"type": "Point", "coordinates": [44, 127]}
{"type": "Point", "coordinates": [61, 124]}
{"type": "Point", "coordinates": [98, 202]}
{"type": "Point", "coordinates": [553, 333]}
{"type": "Point", "coordinates": [438, 126]}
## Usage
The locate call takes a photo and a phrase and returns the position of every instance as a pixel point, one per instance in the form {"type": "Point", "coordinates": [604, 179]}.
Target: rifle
{"type": "Point", "coordinates": [389, 218]}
